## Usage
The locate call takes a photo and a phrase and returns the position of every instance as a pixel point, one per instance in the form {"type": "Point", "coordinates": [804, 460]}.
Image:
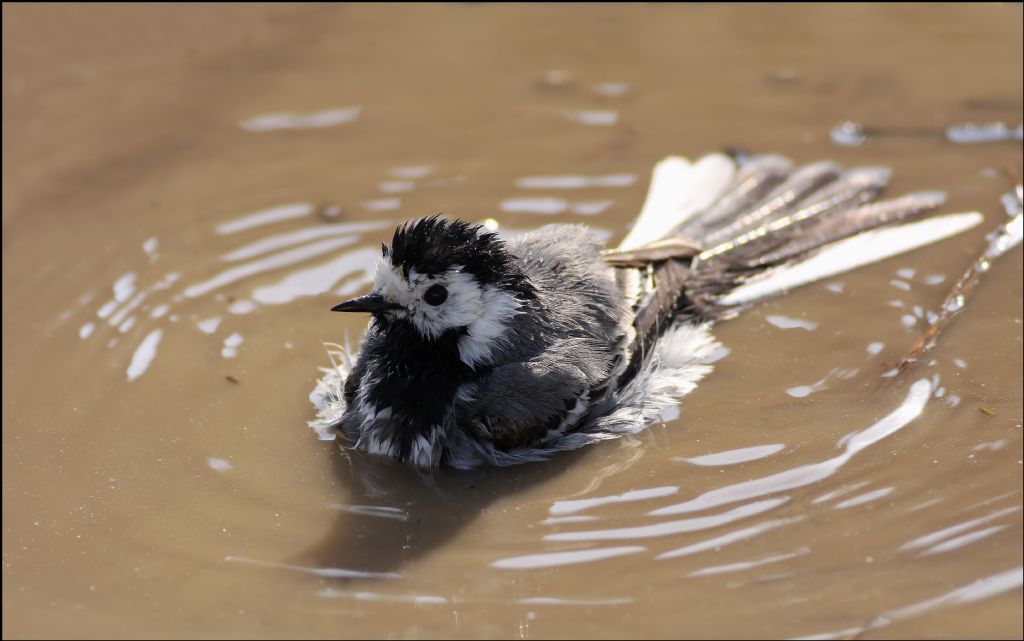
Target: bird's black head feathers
{"type": "Point", "coordinates": [433, 245]}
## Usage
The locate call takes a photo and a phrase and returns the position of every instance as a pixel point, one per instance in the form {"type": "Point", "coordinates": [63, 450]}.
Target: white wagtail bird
{"type": "Point", "coordinates": [492, 350]}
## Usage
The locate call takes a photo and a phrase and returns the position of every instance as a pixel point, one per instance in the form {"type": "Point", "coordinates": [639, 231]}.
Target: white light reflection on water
{"type": "Point", "coordinates": [611, 89]}
{"type": "Point", "coordinates": [861, 499]}
{"type": "Point", "coordinates": [547, 206]}
{"type": "Point", "coordinates": [319, 279]}
{"type": "Point", "coordinates": [327, 573]}
{"type": "Point", "coordinates": [382, 204]}
{"type": "Point", "coordinates": [976, 591]}
{"type": "Point", "coordinates": [209, 325]}
{"type": "Point", "coordinates": [272, 262]}
{"type": "Point", "coordinates": [945, 533]}
{"type": "Point", "coordinates": [411, 172]}
{"type": "Point", "coordinates": [241, 306]}
{"type": "Point", "coordinates": [594, 117]}
{"type": "Point", "coordinates": [291, 120]}
{"type": "Point", "coordinates": [575, 181]}
{"type": "Point", "coordinates": [558, 559]}
{"type": "Point", "coordinates": [800, 391]}
{"type": "Point", "coordinates": [550, 206]}
{"type": "Point", "coordinates": [124, 287]}
{"type": "Point", "coordinates": [578, 505]}
{"type": "Point", "coordinates": [961, 541]}
{"type": "Point", "coordinates": [316, 232]}
{"type": "Point", "coordinates": [219, 464]}
{"type": "Point", "coordinates": [144, 354]}
{"type": "Point", "coordinates": [395, 186]}
{"type": "Point", "coordinates": [834, 494]}
{"type": "Point", "coordinates": [231, 343]}
{"type": "Point", "coordinates": [804, 475]}
{"type": "Point", "coordinates": [586, 603]}
{"type": "Point", "coordinates": [746, 565]}
{"type": "Point", "coordinates": [730, 537]}
{"type": "Point", "coordinates": [150, 246]}
{"type": "Point", "coordinates": [265, 217]}
{"type": "Point", "coordinates": [672, 527]}
{"type": "Point", "coordinates": [732, 457]}
{"type": "Point", "coordinates": [412, 599]}
{"type": "Point", "coordinates": [785, 322]}
{"type": "Point", "coordinates": [86, 330]}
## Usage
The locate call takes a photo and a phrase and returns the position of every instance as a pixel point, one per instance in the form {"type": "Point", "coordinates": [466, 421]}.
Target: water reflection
{"type": "Point", "coordinates": [981, 589]}
{"type": "Point", "coordinates": [265, 217]}
{"type": "Point", "coordinates": [734, 457]}
{"type": "Point", "coordinates": [804, 475]}
{"type": "Point", "coordinates": [434, 507]}
{"type": "Point", "coordinates": [291, 120]}
{"type": "Point", "coordinates": [717, 542]}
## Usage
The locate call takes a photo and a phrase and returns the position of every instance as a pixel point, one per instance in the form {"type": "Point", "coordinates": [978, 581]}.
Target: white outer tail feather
{"type": "Point", "coordinates": [856, 251]}
{"type": "Point", "coordinates": [679, 189]}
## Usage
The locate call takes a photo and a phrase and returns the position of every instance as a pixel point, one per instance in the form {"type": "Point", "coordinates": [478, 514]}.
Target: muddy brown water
{"type": "Point", "coordinates": [187, 190]}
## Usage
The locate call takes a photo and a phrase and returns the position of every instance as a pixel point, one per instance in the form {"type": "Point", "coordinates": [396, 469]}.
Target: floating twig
{"type": "Point", "coordinates": [1001, 240]}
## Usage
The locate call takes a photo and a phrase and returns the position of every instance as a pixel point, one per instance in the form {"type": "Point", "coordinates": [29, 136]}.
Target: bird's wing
{"type": "Point", "coordinates": [529, 401]}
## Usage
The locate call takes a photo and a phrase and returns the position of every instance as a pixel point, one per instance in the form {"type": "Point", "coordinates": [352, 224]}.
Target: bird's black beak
{"type": "Point", "coordinates": [369, 303]}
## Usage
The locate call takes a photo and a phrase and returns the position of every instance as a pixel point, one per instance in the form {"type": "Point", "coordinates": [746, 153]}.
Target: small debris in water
{"type": "Point", "coordinates": [611, 89]}
{"type": "Point", "coordinates": [595, 118]}
{"type": "Point", "coordinates": [231, 343]}
{"type": "Point", "coordinates": [395, 186]}
{"type": "Point", "coordinates": [330, 213]}
{"type": "Point", "coordinates": [785, 74]}
{"type": "Point", "coordinates": [219, 464]}
{"type": "Point", "coordinates": [231, 379]}
{"type": "Point", "coordinates": [1001, 240]}
{"type": "Point", "coordinates": [986, 411]}
{"type": "Point", "coordinates": [411, 172]}
{"type": "Point", "coordinates": [555, 79]}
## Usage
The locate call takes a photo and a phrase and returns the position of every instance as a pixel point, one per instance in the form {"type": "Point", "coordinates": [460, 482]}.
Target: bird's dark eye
{"type": "Point", "coordinates": [436, 295]}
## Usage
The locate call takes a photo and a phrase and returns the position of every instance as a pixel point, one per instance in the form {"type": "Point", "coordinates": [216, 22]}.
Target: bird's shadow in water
{"type": "Point", "coordinates": [395, 513]}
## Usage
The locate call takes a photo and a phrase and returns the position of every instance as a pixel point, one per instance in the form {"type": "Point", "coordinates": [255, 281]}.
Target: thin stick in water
{"type": "Point", "coordinates": [1001, 240]}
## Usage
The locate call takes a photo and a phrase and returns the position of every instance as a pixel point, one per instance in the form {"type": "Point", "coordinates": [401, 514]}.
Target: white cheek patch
{"type": "Point", "coordinates": [490, 328]}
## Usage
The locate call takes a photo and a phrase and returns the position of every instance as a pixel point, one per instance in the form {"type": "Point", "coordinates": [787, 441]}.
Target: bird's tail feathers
{"type": "Point", "coordinates": [749, 227]}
